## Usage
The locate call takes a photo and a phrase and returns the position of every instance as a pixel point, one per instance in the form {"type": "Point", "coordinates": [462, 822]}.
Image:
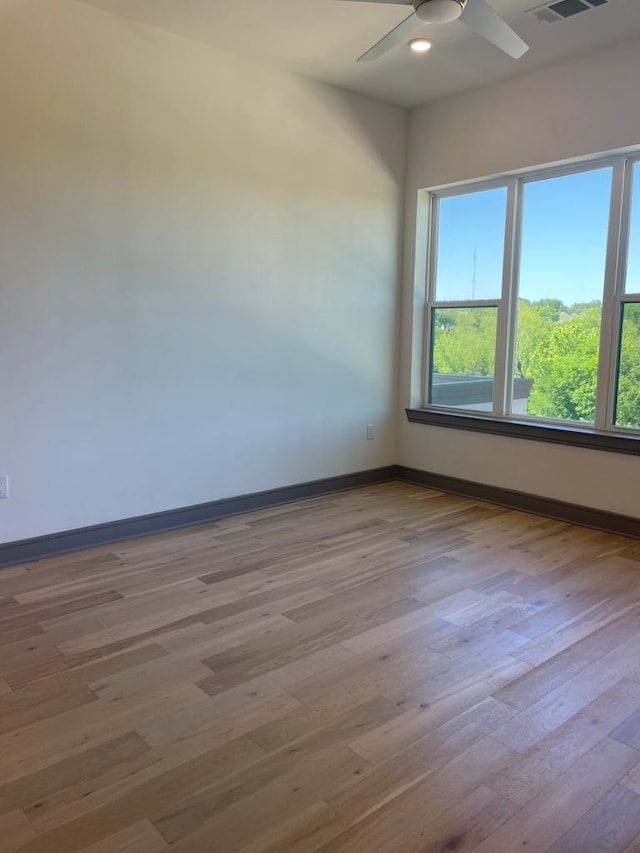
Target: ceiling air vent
{"type": "Point", "coordinates": [561, 9]}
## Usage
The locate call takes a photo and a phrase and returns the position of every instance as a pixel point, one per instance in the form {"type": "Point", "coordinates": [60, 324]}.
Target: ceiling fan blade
{"type": "Point", "coordinates": [405, 30]}
{"type": "Point", "coordinates": [482, 19]}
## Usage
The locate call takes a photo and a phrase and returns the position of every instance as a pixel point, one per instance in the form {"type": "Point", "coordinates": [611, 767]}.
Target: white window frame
{"type": "Point", "coordinates": [614, 295]}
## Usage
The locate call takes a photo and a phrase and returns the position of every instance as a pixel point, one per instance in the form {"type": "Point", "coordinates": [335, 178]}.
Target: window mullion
{"type": "Point", "coordinates": [503, 378]}
{"type": "Point", "coordinates": [614, 282]}
{"type": "Point", "coordinates": [431, 294]}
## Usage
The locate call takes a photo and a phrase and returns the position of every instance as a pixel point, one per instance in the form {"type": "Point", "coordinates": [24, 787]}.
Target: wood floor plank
{"type": "Point", "coordinates": [305, 832]}
{"type": "Point", "coordinates": [562, 747]}
{"type": "Point", "coordinates": [54, 608]}
{"type": "Point", "coordinates": [216, 745]}
{"type": "Point", "coordinates": [295, 726]}
{"type": "Point", "coordinates": [25, 655]}
{"type": "Point", "coordinates": [463, 826]}
{"type": "Point", "coordinates": [27, 791]}
{"type": "Point", "coordinates": [114, 664]}
{"type": "Point", "coordinates": [145, 624]}
{"type": "Point", "coordinates": [632, 779]}
{"type": "Point", "coordinates": [15, 831]}
{"type": "Point", "coordinates": [385, 670]}
{"type": "Point", "coordinates": [399, 818]}
{"type": "Point", "coordinates": [433, 756]}
{"type": "Point", "coordinates": [634, 847]}
{"type": "Point", "coordinates": [591, 622]}
{"type": "Point", "coordinates": [234, 817]}
{"type": "Point", "coordinates": [234, 713]}
{"type": "Point", "coordinates": [43, 699]}
{"type": "Point", "coordinates": [558, 705]}
{"type": "Point", "coordinates": [159, 792]}
{"type": "Point", "coordinates": [394, 628]}
{"type": "Point", "coordinates": [423, 717]}
{"type": "Point", "coordinates": [46, 742]}
{"type": "Point", "coordinates": [559, 806]}
{"type": "Point", "coordinates": [618, 640]}
{"type": "Point", "coordinates": [294, 644]}
{"type": "Point", "coordinates": [629, 731]}
{"type": "Point", "coordinates": [610, 825]}
{"type": "Point", "coordinates": [202, 641]}
{"type": "Point", "coordinates": [140, 837]}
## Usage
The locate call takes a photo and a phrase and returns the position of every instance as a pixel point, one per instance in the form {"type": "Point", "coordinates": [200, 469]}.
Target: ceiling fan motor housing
{"type": "Point", "coordinates": [438, 11]}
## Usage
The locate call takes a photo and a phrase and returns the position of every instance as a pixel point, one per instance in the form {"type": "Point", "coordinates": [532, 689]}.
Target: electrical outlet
{"type": "Point", "coordinates": [371, 432]}
{"type": "Point", "coordinates": [4, 486]}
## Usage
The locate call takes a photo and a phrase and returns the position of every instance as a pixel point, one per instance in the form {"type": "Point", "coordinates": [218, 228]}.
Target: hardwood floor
{"type": "Point", "coordinates": [388, 670]}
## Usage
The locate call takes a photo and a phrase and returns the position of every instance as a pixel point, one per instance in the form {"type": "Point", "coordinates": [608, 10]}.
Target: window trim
{"type": "Point", "coordinates": [550, 432]}
{"type": "Point", "coordinates": [498, 302]}
{"type": "Point", "coordinates": [594, 435]}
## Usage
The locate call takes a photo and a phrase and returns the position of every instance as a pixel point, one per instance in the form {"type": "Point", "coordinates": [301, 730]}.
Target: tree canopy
{"type": "Point", "coordinates": [556, 346]}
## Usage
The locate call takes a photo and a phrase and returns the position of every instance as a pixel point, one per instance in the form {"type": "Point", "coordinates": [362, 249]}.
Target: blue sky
{"type": "Point", "coordinates": [633, 265]}
{"type": "Point", "coordinates": [564, 235]}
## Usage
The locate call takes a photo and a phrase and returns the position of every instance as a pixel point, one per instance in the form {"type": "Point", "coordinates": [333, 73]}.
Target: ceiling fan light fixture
{"type": "Point", "coordinates": [420, 45]}
{"type": "Point", "coordinates": [439, 11]}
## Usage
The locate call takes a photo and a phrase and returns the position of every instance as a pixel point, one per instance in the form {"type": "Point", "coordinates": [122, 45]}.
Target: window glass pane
{"type": "Point", "coordinates": [628, 390]}
{"type": "Point", "coordinates": [470, 246]}
{"type": "Point", "coordinates": [633, 263]}
{"type": "Point", "coordinates": [463, 352]}
{"type": "Point", "coordinates": [562, 264]}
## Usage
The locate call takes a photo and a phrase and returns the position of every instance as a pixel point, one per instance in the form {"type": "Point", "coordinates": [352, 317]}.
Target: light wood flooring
{"type": "Point", "coordinates": [387, 670]}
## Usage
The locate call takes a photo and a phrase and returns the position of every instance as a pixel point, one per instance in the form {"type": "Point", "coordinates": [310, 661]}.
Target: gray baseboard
{"type": "Point", "coordinates": [53, 544]}
{"type": "Point", "coordinates": [549, 507]}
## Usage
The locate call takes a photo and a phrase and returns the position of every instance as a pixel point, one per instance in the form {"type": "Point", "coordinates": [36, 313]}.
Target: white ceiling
{"type": "Point", "coordinates": [323, 38]}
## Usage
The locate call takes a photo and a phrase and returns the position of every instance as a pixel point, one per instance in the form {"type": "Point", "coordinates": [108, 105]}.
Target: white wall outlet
{"type": "Point", "coordinates": [371, 432]}
{"type": "Point", "coordinates": [4, 486]}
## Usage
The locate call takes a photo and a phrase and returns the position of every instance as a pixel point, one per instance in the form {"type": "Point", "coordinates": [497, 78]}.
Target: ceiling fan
{"type": "Point", "coordinates": [476, 14]}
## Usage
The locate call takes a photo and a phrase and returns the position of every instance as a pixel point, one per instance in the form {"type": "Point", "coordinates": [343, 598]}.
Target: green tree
{"type": "Point", "coordinates": [551, 308]}
{"type": "Point", "coordinates": [556, 346]}
{"type": "Point", "coordinates": [581, 307]}
{"type": "Point", "coordinates": [464, 341]}
{"type": "Point", "coordinates": [564, 366]}
{"type": "Point", "coordinates": [535, 322]}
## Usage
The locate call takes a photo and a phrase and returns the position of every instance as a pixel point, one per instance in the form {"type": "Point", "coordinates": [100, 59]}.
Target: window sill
{"type": "Point", "coordinates": [552, 433]}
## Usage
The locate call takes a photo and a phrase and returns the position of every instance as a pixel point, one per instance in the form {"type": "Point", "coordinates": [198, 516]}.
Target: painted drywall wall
{"type": "Point", "coordinates": [198, 272]}
{"type": "Point", "coordinates": [573, 109]}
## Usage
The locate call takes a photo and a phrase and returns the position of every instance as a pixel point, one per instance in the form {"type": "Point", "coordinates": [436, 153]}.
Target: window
{"type": "Point", "coordinates": [628, 377]}
{"type": "Point", "coordinates": [627, 384]}
{"type": "Point", "coordinates": [563, 249]}
{"type": "Point", "coordinates": [534, 298]}
{"type": "Point", "coordinates": [468, 277]}
{"type": "Point", "coordinates": [463, 354]}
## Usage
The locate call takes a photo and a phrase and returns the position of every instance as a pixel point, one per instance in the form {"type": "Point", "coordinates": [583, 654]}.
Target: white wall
{"type": "Point", "coordinates": [198, 272]}
{"type": "Point", "coordinates": [575, 109]}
